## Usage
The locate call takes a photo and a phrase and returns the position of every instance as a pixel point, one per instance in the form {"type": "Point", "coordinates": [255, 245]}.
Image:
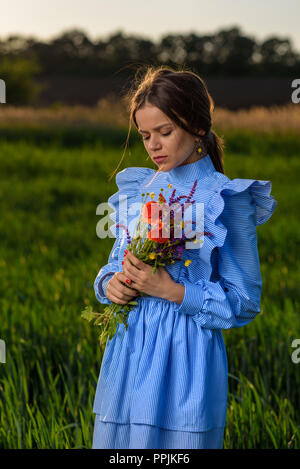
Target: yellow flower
{"type": "Point", "coordinates": [169, 185]}
{"type": "Point", "coordinates": [187, 262]}
{"type": "Point", "coordinates": [152, 195]}
{"type": "Point", "coordinates": [152, 255]}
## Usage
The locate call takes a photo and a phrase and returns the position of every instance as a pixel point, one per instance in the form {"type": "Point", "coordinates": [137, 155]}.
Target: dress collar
{"type": "Point", "coordinates": [191, 171]}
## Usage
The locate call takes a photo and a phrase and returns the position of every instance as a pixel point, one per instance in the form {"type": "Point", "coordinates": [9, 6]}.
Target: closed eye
{"type": "Point", "coordinates": [163, 135]}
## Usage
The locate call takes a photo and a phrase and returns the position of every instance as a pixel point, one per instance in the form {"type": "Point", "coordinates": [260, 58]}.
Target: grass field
{"type": "Point", "coordinates": [50, 255]}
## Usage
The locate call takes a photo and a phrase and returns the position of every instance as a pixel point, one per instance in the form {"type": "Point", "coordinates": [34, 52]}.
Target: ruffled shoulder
{"type": "Point", "coordinates": [253, 196]}
{"type": "Point", "coordinates": [260, 192]}
{"type": "Point", "coordinates": [129, 180]}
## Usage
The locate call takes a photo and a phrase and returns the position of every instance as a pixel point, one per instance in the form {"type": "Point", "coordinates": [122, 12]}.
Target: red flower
{"type": "Point", "coordinates": [147, 210]}
{"type": "Point", "coordinates": [161, 198]}
{"type": "Point", "coordinates": [160, 239]}
{"type": "Point", "coordinates": [153, 211]}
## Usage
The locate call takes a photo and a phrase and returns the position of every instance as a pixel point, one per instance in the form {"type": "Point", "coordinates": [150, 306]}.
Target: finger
{"type": "Point", "coordinates": [122, 296]}
{"type": "Point", "coordinates": [134, 260]}
{"type": "Point", "coordinates": [114, 295]}
{"type": "Point", "coordinates": [138, 266]}
{"type": "Point", "coordinates": [131, 273]}
{"type": "Point", "coordinates": [115, 299]}
{"type": "Point", "coordinates": [122, 277]}
{"type": "Point", "coordinates": [128, 290]}
{"type": "Point", "coordinates": [120, 292]}
{"type": "Point", "coordinates": [133, 266]}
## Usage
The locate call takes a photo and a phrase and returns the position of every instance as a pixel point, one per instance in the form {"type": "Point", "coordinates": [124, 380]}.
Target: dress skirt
{"type": "Point", "coordinates": [110, 435]}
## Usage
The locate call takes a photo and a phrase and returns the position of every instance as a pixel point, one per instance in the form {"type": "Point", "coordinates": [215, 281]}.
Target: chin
{"type": "Point", "coordinates": [161, 166]}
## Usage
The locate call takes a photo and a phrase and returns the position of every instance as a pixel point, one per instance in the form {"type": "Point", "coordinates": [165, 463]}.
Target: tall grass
{"type": "Point", "coordinates": [49, 258]}
{"type": "Point", "coordinates": [113, 112]}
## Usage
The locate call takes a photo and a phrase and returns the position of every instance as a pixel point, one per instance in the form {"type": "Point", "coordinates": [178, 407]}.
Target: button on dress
{"type": "Point", "coordinates": [163, 382]}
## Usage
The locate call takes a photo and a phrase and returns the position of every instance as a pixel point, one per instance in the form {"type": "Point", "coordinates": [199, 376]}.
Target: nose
{"type": "Point", "coordinates": [154, 143]}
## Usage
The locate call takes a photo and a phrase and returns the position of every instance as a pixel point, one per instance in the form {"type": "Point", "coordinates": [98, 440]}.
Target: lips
{"type": "Point", "coordinates": [159, 158]}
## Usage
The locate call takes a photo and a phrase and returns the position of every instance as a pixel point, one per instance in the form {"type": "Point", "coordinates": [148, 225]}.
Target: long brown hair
{"type": "Point", "coordinates": [183, 96]}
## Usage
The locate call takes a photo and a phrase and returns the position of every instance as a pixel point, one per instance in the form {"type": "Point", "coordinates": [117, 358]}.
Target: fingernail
{"type": "Point", "coordinates": [122, 262]}
{"type": "Point", "coordinates": [128, 281]}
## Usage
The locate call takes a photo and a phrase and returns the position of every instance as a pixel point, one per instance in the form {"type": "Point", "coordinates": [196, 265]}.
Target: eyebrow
{"type": "Point", "coordinates": [155, 128]}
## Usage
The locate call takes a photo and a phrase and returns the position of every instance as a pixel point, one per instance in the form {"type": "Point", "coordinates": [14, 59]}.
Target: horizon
{"type": "Point", "coordinates": [99, 21]}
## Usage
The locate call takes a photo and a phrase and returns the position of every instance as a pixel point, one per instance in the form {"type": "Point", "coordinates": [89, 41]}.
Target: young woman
{"type": "Point", "coordinates": [163, 382]}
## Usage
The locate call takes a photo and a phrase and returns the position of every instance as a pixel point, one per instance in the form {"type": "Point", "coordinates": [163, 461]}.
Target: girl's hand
{"type": "Point", "coordinates": [144, 280]}
{"type": "Point", "coordinates": [117, 292]}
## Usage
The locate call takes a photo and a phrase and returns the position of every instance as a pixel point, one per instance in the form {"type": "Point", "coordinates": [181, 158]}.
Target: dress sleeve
{"type": "Point", "coordinates": [106, 273]}
{"type": "Point", "coordinates": [232, 215]}
{"type": "Point", "coordinates": [128, 181]}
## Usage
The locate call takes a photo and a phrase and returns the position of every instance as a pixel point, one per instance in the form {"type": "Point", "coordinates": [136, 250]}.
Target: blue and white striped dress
{"type": "Point", "coordinates": [163, 382]}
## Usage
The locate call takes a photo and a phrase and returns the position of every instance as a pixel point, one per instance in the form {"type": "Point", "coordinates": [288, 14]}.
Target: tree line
{"type": "Point", "coordinates": [228, 52]}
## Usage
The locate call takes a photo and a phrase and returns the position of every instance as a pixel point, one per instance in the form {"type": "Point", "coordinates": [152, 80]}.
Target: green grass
{"type": "Point", "coordinates": [50, 256]}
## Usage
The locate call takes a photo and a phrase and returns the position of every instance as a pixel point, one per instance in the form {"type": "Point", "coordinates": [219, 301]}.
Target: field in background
{"type": "Point", "coordinates": [110, 112]}
{"type": "Point", "coordinates": [54, 170]}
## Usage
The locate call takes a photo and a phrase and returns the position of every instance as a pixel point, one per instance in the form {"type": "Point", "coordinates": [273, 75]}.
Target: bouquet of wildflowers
{"type": "Point", "coordinates": [155, 244]}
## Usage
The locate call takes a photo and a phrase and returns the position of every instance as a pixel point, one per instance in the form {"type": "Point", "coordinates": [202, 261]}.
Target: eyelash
{"type": "Point", "coordinates": [164, 135]}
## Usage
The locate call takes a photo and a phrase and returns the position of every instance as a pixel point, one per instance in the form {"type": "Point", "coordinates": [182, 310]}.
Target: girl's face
{"type": "Point", "coordinates": [162, 137]}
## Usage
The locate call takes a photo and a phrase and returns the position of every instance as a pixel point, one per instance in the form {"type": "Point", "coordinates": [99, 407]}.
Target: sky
{"type": "Point", "coordinates": [99, 19]}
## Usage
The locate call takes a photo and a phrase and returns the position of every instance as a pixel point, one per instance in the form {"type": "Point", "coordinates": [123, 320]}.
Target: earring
{"type": "Point", "coordinates": [199, 147]}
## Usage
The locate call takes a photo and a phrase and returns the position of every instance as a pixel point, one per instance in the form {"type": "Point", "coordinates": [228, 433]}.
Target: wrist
{"type": "Point", "coordinates": [175, 292]}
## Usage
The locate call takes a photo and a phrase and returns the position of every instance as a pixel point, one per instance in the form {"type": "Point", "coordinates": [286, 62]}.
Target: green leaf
{"type": "Point", "coordinates": [112, 329]}
{"type": "Point", "coordinates": [119, 317]}
{"type": "Point", "coordinates": [88, 315]}
{"type": "Point", "coordinates": [98, 321]}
